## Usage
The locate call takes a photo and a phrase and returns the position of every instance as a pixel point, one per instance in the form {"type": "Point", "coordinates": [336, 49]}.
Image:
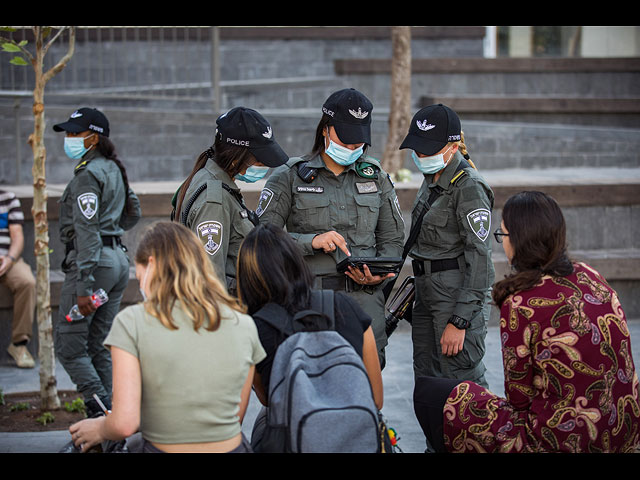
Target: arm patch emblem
{"type": "Point", "coordinates": [210, 234]}
{"type": "Point", "coordinates": [263, 202]}
{"type": "Point", "coordinates": [480, 222]}
{"type": "Point", "coordinates": [88, 203]}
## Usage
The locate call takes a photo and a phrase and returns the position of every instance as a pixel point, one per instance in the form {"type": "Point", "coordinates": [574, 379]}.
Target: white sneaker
{"type": "Point", "coordinates": [21, 355]}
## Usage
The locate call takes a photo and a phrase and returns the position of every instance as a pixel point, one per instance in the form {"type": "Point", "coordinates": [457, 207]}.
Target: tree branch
{"type": "Point", "coordinates": [23, 50]}
{"type": "Point", "coordinates": [45, 48]}
{"type": "Point", "coordinates": [63, 61]}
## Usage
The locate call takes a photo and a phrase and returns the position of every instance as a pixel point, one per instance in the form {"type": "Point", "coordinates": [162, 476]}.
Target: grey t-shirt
{"type": "Point", "coordinates": [191, 381]}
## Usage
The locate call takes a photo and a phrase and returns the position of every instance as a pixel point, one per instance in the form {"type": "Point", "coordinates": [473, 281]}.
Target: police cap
{"type": "Point", "coordinates": [431, 129]}
{"type": "Point", "coordinates": [85, 119]}
{"type": "Point", "coordinates": [350, 113]}
{"type": "Point", "coordinates": [245, 127]}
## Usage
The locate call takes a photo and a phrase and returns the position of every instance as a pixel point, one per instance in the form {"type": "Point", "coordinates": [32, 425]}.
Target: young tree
{"type": "Point", "coordinates": [400, 108]}
{"type": "Point", "coordinates": [44, 38]}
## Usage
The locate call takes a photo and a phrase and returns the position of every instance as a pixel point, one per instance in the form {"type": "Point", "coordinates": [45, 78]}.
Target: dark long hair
{"type": "Point", "coordinates": [271, 268]}
{"type": "Point", "coordinates": [537, 234]}
{"type": "Point", "coordinates": [231, 158]}
{"type": "Point", "coordinates": [319, 139]}
{"type": "Point", "coordinates": [107, 149]}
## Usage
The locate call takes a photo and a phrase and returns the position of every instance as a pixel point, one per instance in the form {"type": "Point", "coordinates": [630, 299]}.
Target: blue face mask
{"type": "Point", "coordinates": [342, 155]}
{"type": "Point", "coordinates": [429, 165]}
{"type": "Point", "coordinates": [253, 174]}
{"type": "Point", "coordinates": [74, 147]}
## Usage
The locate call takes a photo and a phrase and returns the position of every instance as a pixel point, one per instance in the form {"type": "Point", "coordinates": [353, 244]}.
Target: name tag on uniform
{"type": "Point", "coordinates": [366, 187]}
{"type": "Point", "coordinates": [309, 189]}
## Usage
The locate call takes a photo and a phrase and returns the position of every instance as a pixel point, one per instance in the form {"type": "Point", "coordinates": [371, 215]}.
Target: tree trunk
{"type": "Point", "coordinates": [400, 107]}
{"type": "Point", "coordinates": [48, 384]}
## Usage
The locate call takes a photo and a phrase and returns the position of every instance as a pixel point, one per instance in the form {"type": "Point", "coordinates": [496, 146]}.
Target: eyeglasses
{"type": "Point", "coordinates": [498, 234]}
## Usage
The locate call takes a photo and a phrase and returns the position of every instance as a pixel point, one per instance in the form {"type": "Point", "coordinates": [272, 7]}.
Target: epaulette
{"type": "Point", "coordinates": [460, 171]}
{"type": "Point", "coordinates": [80, 166]}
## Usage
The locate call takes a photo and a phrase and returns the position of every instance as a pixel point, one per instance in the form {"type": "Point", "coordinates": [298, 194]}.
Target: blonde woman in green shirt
{"type": "Point", "coordinates": [183, 360]}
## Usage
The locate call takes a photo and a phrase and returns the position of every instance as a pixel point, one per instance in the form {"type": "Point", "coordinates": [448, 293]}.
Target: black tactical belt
{"type": "Point", "coordinates": [334, 283]}
{"type": "Point", "coordinates": [111, 241]}
{"type": "Point", "coordinates": [436, 266]}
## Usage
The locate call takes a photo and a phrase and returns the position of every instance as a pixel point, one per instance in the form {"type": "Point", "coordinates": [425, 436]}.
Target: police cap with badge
{"type": "Point", "coordinates": [85, 119]}
{"type": "Point", "coordinates": [350, 113]}
{"type": "Point", "coordinates": [245, 127]}
{"type": "Point", "coordinates": [431, 129]}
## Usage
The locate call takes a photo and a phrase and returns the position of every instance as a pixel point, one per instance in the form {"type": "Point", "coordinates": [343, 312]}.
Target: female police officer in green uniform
{"type": "Point", "coordinates": [210, 203]}
{"type": "Point", "coordinates": [95, 208]}
{"type": "Point", "coordinates": [337, 202]}
{"type": "Point", "coordinates": [452, 254]}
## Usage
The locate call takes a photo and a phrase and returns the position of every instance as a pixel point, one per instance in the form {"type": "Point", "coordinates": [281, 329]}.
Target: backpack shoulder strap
{"type": "Point", "coordinates": [275, 316]}
{"type": "Point", "coordinates": [323, 301]}
{"type": "Point", "coordinates": [321, 305]}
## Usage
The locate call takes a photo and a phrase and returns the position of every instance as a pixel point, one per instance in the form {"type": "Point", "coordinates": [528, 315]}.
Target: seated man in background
{"type": "Point", "coordinates": [16, 275]}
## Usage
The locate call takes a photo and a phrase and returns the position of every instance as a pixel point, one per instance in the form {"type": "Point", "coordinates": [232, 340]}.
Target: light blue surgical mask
{"type": "Point", "coordinates": [74, 147]}
{"type": "Point", "coordinates": [431, 164]}
{"type": "Point", "coordinates": [343, 155]}
{"type": "Point", "coordinates": [253, 174]}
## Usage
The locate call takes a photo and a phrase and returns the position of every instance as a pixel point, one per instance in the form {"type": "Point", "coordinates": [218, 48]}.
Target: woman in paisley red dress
{"type": "Point", "coordinates": [570, 380]}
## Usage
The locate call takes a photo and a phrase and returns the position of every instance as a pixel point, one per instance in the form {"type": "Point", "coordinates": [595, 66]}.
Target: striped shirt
{"type": "Point", "coordinates": [10, 213]}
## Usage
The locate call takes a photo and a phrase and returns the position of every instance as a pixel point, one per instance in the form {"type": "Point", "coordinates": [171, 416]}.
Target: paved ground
{"type": "Point", "coordinates": [398, 386]}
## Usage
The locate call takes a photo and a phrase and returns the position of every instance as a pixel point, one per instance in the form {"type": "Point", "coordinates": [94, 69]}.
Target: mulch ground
{"type": "Point", "coordinates": [20, 412]}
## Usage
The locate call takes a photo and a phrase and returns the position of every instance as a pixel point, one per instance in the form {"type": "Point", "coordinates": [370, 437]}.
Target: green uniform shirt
{"type": "Point", "coordinates": [92, 207]}
{"type": "Point", "coordinates": [218, 219]}
{"type": "Point", "coordinates": [459, 223]}
{"type": "Point", "coordinates": [360, 204]}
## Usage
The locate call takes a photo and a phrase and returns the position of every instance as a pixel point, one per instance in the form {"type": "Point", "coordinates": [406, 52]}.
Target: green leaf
{"type": "Point", "coordinates": [10, 47]}
{"type": "Point", "coordinates": [18, 61]}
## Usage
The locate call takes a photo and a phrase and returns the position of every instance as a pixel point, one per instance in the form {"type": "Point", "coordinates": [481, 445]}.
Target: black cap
{"type": "Point", "coordinates": [350, 111]}
{"type": "Point", "coordinates": [245, 127]}
{"type": "Point", "coordinates": [431, 129]}
{"type": "Point", "coordinates": [85, 119]}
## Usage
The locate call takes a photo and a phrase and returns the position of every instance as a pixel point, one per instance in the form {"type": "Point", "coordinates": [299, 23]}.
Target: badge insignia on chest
{"type": "Point", "coordinates": [210, 234]}
{"type": "Point", "coordinates": [263, 202]}
{"type": "Point", "coordinates": [88, 203]}
{"type": "Point", "coordinates": [480, 222]}
{"type": "Point", "coordinates": [366, 187]}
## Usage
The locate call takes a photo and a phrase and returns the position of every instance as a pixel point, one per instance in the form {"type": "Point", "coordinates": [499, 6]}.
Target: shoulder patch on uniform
{"type": "Point", "coordinates": [263, 202]}
{"type": "Point", "coordinates": [480, 222]}
{"type": "Point", "coordinates": [88, 203]}
{"type": "Point", "coordinates": [210, 234]}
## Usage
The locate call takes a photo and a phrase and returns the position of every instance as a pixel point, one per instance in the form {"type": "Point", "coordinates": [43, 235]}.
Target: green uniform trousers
{"type": "Point", "coordinates": [436, 296]}
{"type": "Point", "coordinates": [79, 344]}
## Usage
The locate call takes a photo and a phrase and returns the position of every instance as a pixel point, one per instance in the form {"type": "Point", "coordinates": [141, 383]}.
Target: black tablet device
{"type": "Point", "coordinates": [377, 265]}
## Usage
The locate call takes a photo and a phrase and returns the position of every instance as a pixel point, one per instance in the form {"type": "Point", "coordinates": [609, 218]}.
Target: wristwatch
{"type": "Point", "coordinates": [459, 322]}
